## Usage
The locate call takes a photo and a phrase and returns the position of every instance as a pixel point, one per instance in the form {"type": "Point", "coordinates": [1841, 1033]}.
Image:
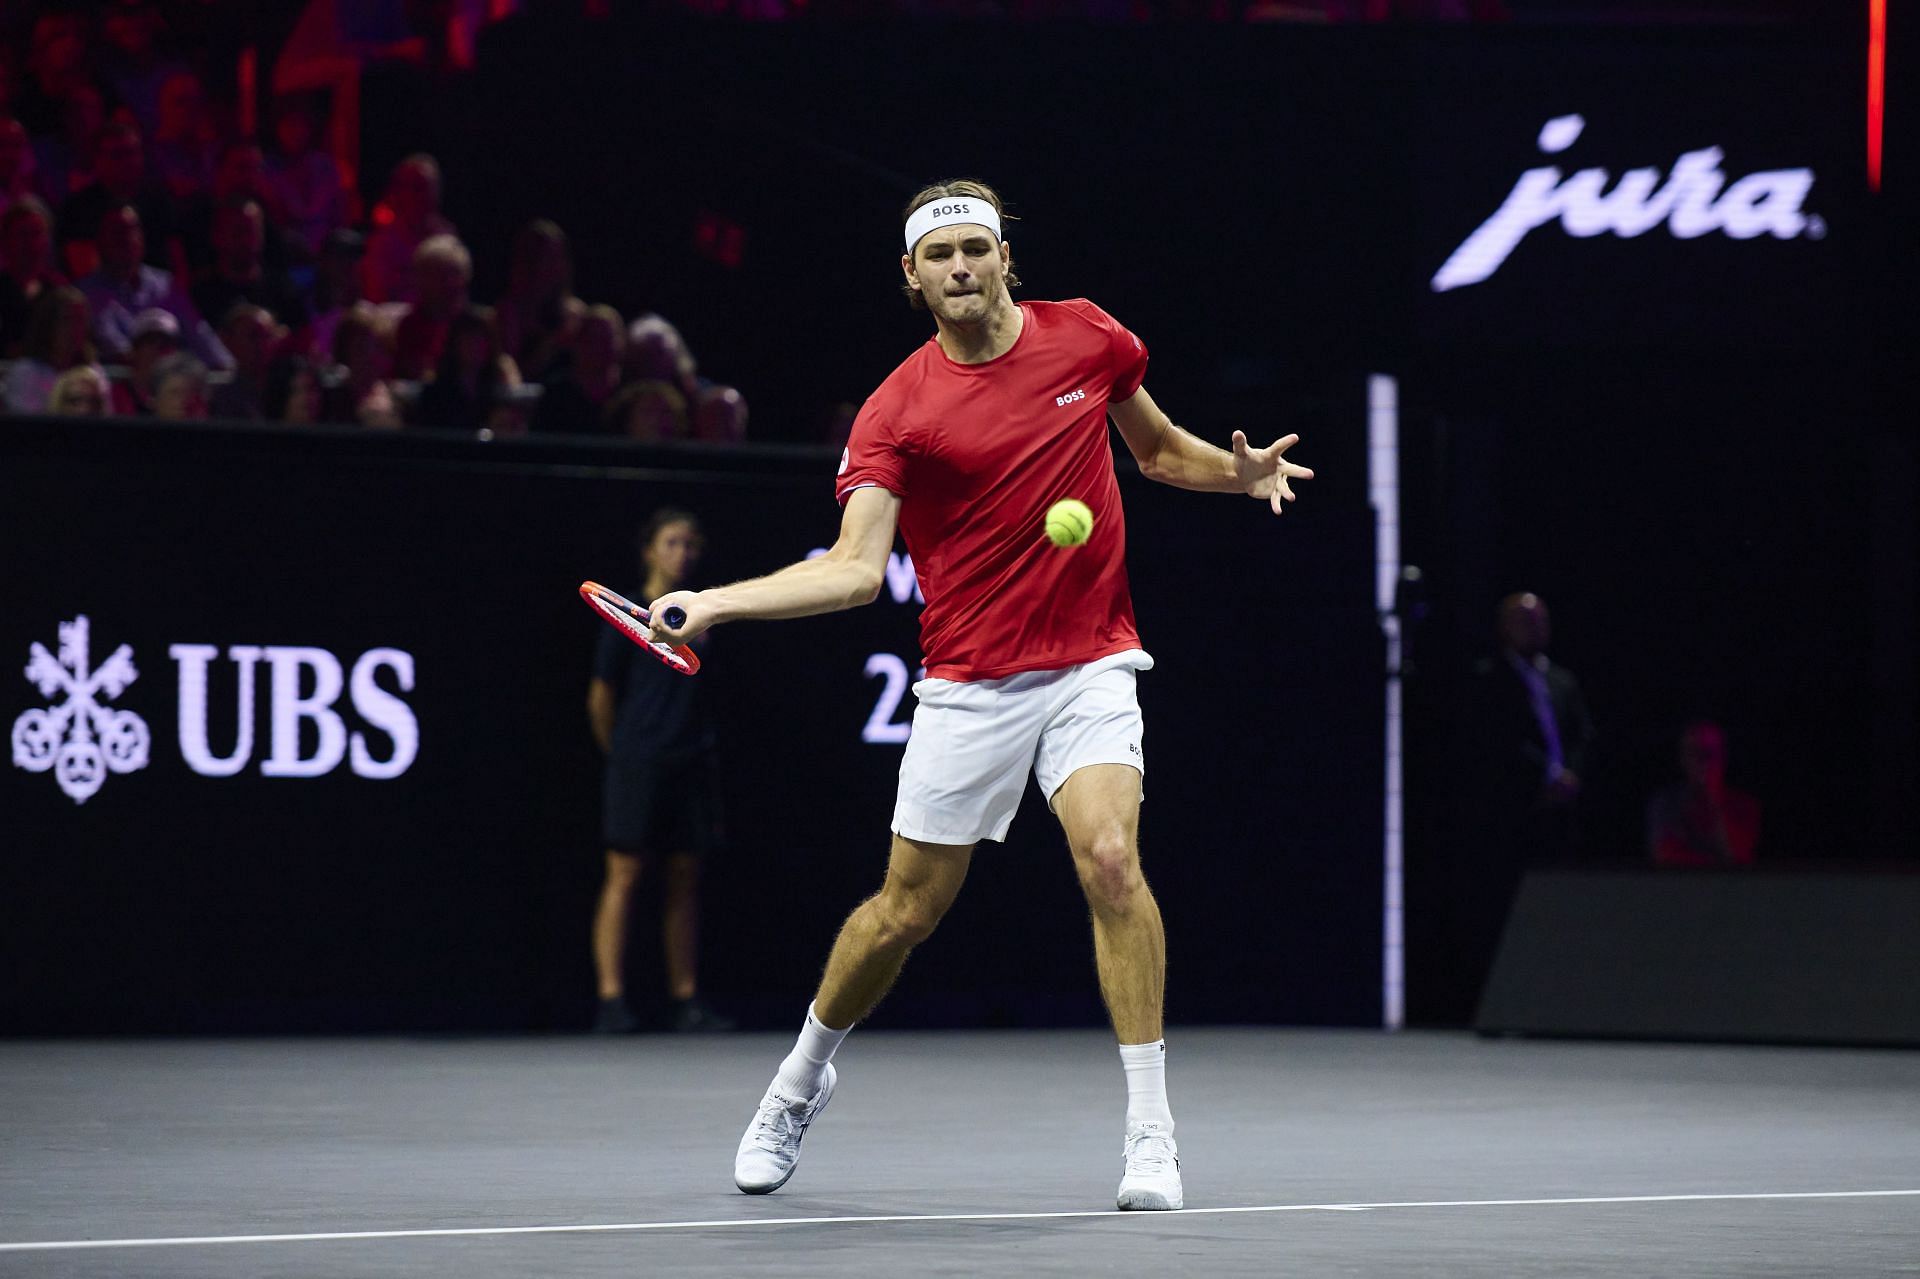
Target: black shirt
{"type": "Point", "coordinates": [660, 712]}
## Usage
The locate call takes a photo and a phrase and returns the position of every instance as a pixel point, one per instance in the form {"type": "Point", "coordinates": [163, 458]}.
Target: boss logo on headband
{"type": "Point", "coordinates": [949, 210]}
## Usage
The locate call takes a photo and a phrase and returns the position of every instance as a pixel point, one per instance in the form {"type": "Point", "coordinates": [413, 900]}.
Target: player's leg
{"type": "Point", "coordinates": [611, 919]}
{"type": "Point", "coordinates": [1099, 807]}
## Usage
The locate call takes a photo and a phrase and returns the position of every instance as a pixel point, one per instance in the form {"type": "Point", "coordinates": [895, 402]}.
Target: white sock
{"type": "Point", "coordinates": [801, 1074]}
{"type": "Point", "coordinates": [1146, 1067]}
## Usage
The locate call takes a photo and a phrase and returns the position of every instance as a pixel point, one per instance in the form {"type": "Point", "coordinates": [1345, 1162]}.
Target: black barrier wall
{"type": "Point", "coordinates": [366, 796]}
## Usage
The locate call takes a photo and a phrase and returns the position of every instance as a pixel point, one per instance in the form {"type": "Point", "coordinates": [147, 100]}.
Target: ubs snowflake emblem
{"type": "Point", "coordinates": [79, 739]}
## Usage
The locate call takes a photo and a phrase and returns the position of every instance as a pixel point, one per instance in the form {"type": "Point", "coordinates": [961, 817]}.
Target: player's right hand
{"type": "Point", "coordinates": [699, 618]}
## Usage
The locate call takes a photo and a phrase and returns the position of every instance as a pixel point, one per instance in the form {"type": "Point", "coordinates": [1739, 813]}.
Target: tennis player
{"type": "Point", "coordinates": [1031, 650]}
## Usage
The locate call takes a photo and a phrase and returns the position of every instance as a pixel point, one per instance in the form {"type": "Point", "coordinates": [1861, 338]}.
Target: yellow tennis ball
{"type": "Point", "coordinates": [1069, 522]}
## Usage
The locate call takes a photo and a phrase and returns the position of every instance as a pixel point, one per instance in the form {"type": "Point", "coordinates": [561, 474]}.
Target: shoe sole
{"type": "Point", "coordinates": [1147, 1201]}
{"type": "Point", "coordinates": [832, 1077]}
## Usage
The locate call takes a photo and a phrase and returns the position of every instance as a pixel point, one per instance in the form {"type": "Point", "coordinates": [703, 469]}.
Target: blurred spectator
{"type": "Point", "coordinates": [649, 411]}
{"type": "Point", "coordinates": [1703, 821]}
{"type": "Point", "coordinates": [407, 218]}
{"type": "Point", "coordinates": [153, 336]}
{"type": "Point", "coordinates": [442, 274]}
{"type": "Point", "coordinates": [720, 416]}
{"type": "Point", "coordinates": [574, 396]}
{"type": "Point", "coordinates": [252, 337]}
{"type": "Point", "coordinates": [26, 268]}
{"type": "Point", "coordinates": [360, 350]}
{"type": "Point", "coordinates": [538, 312]}
{"type": "Point", "coordinates": [125, 287]}
{"type": "Point", "coordinates": [178, 390]}
{"type": "Point", "coordinates": [132, 59]}
{"type": "Point", "coordinates": [1536, 728]}
{"type": "Point", "coordinates": [336, 286]}
{"type": "Point", "coordinates": [80, 392]}
{"type": "Point", "coordinates": [240, 173]}
{"type": "Point", "coordinates": [64, 161]}
{"type": "Point", "coordinates": [16, 162]}
{"type": "Point", "coordinates": [474, 384]}
{"type": "Point", "coordinates": [120, 177]}
{"type": "Point", "coordinates": [305, 180]}
{"type": "Point", "coordinates": [292, 393]}
{"type": "Point", "coordinates": [181, 151]}
{"type": "Point", "coordinates": [240, 271]}
{"type": "Point", "coordinates": [56, 62]}
{"type": "Point", "coordinates": [57, 340]}
{"type": "Point", "coordinates": [657, 352]}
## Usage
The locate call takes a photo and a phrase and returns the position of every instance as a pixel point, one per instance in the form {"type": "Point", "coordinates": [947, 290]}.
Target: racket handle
{"type": "Point", "coordinates": [675, 616]}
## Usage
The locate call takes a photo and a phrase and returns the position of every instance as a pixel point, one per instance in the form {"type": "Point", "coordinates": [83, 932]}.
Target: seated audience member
{"type": "Point", "coordinates": [26, 268]}
{"type": "Point", "coordinates": [125, 287]}
{"type": "Point", "coordinates": [472, 389]}
{"type": "Point", "coordinates": [442, 273]}
{"type": "Point", "coordinates": [573, 397]}
{"type": "Point", "coordinates": [80, 392]}
{"type": "Point", "coordinates": [177, 389]}
{"type": "Point", "coordinates": [412, 207]}
{"type": "Point", "coordinates": [120, 177]}
{"type": "Point", "coordinates": [292, 392]}
{"type": "Point", "coordinates": [16, 162]}
{"type": "Point", "coordinates": [1703, 821]}
{"type": "Point", "coordinates": [252, 337]}
{"type": "Point", "coordinates": [720, 416]}
{"type": "Point", "coordinates": [240, 272]}
{"type": "Point", "coordinates": [360, 350]}
{"type": "Point", "coordinates": [305, 180]}
{"type": "Point", "coordinates": [153, 336]}
{"type": "Point", "coordinates": [336, 287]}
{"type": "Point", "coordinates": [650, 411]}
{"type": "Point", "coordinates": [132, 58]}
{"type": "Point", "coordinates": [538, 314]}
{"type": "Point", "coordinates": [240, 174]}
{"type": "Point", "coordinates": [181, 147]}
{"type": "Point", "coordinates": [63, 162]}
{"type": "Point", "coordinates": [56, 64]}
{"type": "Point", "coordinates": [58, 339]}
{"type": "Point", "coordinates": [656, 352]}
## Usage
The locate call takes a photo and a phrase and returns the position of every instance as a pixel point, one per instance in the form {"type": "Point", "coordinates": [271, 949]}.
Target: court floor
{"type": "Point", "coordinates": [946, 1153]}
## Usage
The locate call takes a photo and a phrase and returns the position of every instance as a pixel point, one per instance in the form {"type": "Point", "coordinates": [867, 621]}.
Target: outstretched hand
{"type": "Point", "coordinates": [1264, 472]}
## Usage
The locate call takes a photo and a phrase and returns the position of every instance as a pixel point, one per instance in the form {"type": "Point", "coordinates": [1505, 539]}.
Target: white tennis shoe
{"type": "Point", "coordinates": [1152, 1180]}
{"type": "Point", "coordinates": [770, 1150]}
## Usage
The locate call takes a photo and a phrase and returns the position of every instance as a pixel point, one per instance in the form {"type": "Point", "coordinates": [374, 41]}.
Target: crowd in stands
{"type": "Point", "coordinates": [156, 264]}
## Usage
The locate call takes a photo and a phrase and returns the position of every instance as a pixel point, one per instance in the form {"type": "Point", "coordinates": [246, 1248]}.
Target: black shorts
{"type": "Point", "coordinates": [651, 804]}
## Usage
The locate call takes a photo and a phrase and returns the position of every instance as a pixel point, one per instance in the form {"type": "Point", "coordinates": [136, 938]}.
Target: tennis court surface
{"type": "Point", "coordinates": [946, 1153]}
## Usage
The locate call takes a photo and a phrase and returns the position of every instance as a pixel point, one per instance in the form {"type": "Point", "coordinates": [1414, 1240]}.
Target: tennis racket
{"type": "Point", "coordinates": [633, 622]}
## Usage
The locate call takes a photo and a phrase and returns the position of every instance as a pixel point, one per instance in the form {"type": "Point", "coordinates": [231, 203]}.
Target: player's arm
{"type": "Point", "coordinates": [600, 705]}
{"type": "Point", "coordinates": [848, 575]}
{"type": "Point", "coordinates": [1178, 457]}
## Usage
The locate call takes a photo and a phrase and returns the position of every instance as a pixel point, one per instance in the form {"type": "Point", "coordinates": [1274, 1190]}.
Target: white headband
{"type": "Point", "coordinates": [951, 210]}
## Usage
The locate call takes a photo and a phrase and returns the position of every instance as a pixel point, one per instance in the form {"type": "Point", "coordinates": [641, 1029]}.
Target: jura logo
{"type": "Point", "coordinates": [81, 741]}
{"type": "Point", "coordinates": [1695, 200]}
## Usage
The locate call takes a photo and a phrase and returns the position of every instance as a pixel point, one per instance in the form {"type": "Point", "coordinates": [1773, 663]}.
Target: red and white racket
{"type": "Point", "coordinates": [633, 622]}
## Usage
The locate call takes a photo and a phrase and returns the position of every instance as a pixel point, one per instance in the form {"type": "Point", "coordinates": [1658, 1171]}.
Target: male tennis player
{"type": "Point", "coordinates": [1031, 649]}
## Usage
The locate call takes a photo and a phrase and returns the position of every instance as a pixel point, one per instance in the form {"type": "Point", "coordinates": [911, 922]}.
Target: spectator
{"type": "Point", "coordinates": [720, 416]}
{"type": "Point", "coordinates": [539, 313]}
{"type": "Point", "coordinates": [360, 349]}
{"type": "Point", "coordinates": [573, 397]}
{"type": "Point", "coordinates": [443, 274]}
{"type": "Point", "coordinates": [407, 218]}
{"type": "Point", "coordinates": [178, 391]}
{"type": "Point", "coordinates": [17, 162]}
{"type": "Point", "coordinates": [292, 393]}
{"type": "Point", "coordinates": [336, 286]}
{"type": "Point", "coordinates": [125, 287]}
{"type": "Point", "coordinates": [181, 152]}
{"type": "Point", "coordinates": [657, 352]}
{"type": "Point", "coordinates": [153, 336]}
{"type": "Point", "coordinates": [474, 385]}
{"type": "Point", "coordinates": [305, 180]}
{"type": "Point", "coordinates": [56, 62]}
{"type": "Point", "coordinates": [239, 174]}
{"type": "Point", "coordinates": [1538, 729]}
{"type": "Point", "coordinates": [57, 340]}
{"type": "Point", "coordinates": [120, 177]}
{"type": "Point", "coordinates": [240, 272]}
{"type": "Point", "coordinates": [1703, 821]}
{"type": "Point", "coordinates": [650, 411]}
{"type": "Point", "coordinates": [252, 337]}
{"type": "Point", "coordinates": [80, 392]}
{"type": "Point", "coordinates": [132, 59]}
{"type": "Point", "coordinates": [26, 268]}
{"type": "Point", "coordinates": [64, 161]}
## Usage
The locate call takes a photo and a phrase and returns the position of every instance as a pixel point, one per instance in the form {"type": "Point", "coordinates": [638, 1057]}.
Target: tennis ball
{"type": "Point", "coordinates": [1069, 522]}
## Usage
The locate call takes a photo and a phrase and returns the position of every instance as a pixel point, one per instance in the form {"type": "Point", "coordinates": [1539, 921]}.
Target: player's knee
{"type": "Point", "coordinates": [1110, 871]}
{"type": "Point", "coordinates": [623, 872]}
{"type": "Point", "coordinates": [907, 919]}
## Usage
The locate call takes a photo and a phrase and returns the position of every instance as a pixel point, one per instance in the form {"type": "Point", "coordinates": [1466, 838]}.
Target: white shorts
{"type": "Point", "coordinates": [966, 764]}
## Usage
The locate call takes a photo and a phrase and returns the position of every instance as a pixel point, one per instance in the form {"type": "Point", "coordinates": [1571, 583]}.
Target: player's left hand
{"type": "Point", "coordinates": [1265, 472]}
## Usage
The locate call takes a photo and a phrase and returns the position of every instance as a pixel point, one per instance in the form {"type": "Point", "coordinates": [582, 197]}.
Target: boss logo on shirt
{"type": "Point", "coordinates": [1069, 397]}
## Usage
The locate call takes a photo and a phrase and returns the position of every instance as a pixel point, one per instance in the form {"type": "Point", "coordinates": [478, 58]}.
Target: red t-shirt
{"type": "Point", "coordinates": [977, 453]}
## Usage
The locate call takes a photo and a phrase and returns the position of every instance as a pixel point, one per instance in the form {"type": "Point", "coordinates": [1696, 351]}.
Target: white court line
{"type": "Point", "coordinates": [736, 1223]}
